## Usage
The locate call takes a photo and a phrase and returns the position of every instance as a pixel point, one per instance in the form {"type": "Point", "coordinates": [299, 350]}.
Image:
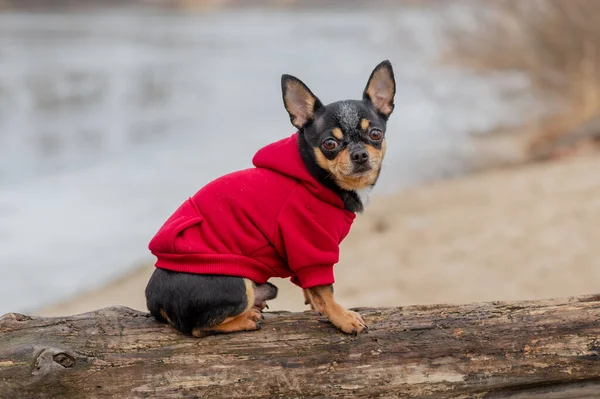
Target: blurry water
{"type": "Point", "coordinates": [109, 120]}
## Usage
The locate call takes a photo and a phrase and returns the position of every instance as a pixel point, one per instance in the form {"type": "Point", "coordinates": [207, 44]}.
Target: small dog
{"type": "Point", "coordinates": [285, 217]}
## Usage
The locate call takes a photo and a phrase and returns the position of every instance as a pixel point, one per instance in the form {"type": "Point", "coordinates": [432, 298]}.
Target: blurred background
{"type": "Point", "coordinates": [114, 112]}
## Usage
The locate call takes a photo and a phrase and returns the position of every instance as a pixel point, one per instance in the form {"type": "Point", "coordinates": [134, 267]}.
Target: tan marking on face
{"type": "Point", "coordinates": [364, 124]}
{"type": "Point", "coordinates": [341, 167]}
{"type": "Point", "coordinates": [375, 156]}
{"type": "Point", "coordinates": [322, 161]}
{"type": "Point", "coordinates": [337, 133]}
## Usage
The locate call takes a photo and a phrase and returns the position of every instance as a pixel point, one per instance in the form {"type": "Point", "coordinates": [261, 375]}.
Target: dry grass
{"type": "Point", "coordinates": [555, 42]}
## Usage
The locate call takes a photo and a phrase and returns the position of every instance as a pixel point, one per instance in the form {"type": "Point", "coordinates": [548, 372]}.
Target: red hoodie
{"type": "Point", "coordinates": [273, 220]}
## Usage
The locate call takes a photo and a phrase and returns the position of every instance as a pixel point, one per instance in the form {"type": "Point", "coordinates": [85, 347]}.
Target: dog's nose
{"type": "Point", "coordinates": [360, 156]}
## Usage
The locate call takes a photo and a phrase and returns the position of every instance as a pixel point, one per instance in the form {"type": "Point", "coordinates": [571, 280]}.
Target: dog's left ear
{"type": "Point", "coordinates": [299, 101]}
{"type": "Point", "coordinates": [381, 88]}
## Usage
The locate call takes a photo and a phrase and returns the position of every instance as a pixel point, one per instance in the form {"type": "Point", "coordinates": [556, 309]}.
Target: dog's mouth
{"type": "Point", "coordinates": [361, 170]}
{"type": "Point", "coordinates": [360, 176]}
{"type": "Point", "coordinates": [355, 175]}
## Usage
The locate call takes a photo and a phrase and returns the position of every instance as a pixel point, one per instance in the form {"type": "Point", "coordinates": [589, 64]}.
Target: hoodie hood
{"type": "Point", "coordinates": [283, 156]}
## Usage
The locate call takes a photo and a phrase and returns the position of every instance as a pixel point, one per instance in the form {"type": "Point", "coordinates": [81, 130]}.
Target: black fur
{"type": "Point", "coordinates": [200, 300]}
{"type": "Point", "coordinates": [194, 300]}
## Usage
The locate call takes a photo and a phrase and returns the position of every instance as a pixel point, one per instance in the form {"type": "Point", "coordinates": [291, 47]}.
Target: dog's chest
{"type": "Point", "coordinates": [364, 195]}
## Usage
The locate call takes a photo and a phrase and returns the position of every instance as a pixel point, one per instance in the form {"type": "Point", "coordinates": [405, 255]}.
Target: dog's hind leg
{"type": "Point", "coordinates": [263, 293]}
{"type": "Point", "coordinates": [250, 319]}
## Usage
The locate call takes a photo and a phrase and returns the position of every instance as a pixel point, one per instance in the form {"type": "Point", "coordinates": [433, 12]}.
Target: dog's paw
{"type": "Point", "coordinates": [255, 314]}
{"type": "Point", "coordinates": [250, 320]}
{"type": "Point", "coordinates": [348, 321]}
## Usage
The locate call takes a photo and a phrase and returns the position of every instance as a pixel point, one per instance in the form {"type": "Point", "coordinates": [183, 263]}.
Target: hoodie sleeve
{"type": "Point", "coordinates": [308, 236]}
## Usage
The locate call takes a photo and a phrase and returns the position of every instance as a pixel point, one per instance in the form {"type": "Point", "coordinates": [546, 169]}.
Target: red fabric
{"type": "Point", "coordinates": [273, 220]}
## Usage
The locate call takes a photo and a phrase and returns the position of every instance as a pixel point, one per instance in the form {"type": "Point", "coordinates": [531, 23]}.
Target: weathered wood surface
{"type": "Point", "coordinates": [540, 349]}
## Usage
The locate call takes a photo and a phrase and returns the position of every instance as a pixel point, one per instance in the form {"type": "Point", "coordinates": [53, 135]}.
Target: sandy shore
{"type": "Point", "coordinates": [523, 233]}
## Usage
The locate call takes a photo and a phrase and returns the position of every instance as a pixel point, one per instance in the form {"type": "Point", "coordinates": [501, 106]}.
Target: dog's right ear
{"type": "Point", "coordinates": [298, 100]}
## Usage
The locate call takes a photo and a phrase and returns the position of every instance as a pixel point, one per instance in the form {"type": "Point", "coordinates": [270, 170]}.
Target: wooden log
{"type": "Point", "coordinates": [536, 349]}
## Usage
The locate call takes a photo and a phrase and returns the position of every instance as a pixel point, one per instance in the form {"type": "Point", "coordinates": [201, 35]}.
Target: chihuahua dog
{"type": "Point", "coordinates": [284, 217]}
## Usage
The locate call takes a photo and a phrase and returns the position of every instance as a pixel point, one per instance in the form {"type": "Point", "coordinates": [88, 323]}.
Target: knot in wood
{"type": "Point", "coordinates": [51, 360]}
{"type": "Point", "coordinates": [64, 359]}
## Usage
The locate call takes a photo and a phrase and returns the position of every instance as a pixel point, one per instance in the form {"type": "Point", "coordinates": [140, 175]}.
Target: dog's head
{"type": "Point", "coordinates": [346, 139]}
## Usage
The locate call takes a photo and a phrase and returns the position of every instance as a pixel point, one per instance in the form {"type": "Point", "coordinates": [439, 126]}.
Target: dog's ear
{"type": "Point", "coordinates": [381, 88]}
{"type": "Point", "coordinates": [299, 101]}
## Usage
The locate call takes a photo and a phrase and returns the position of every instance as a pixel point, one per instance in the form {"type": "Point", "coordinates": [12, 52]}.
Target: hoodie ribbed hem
{"type": "Point", "coordinates": [313, 276]}
{"type": "Point", "coordinates": [219, 264]}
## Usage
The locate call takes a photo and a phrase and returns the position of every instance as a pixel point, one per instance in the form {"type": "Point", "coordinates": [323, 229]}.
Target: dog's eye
{"type": "Point", "coordinates": [330, 144]}
{"type": "Point", "coordinates": [375, 134]}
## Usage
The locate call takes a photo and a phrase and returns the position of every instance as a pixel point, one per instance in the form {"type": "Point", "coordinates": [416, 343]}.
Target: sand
{"type": "Point", "coordinates": [522, 233]}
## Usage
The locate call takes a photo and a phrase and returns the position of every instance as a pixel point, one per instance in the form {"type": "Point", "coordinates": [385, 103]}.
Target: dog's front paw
{"type": "Point", "coordinates": [348, 321]}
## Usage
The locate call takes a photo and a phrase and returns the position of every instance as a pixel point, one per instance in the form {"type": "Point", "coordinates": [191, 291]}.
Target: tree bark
{"type": "Point", "coordinates": [536, 349]}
